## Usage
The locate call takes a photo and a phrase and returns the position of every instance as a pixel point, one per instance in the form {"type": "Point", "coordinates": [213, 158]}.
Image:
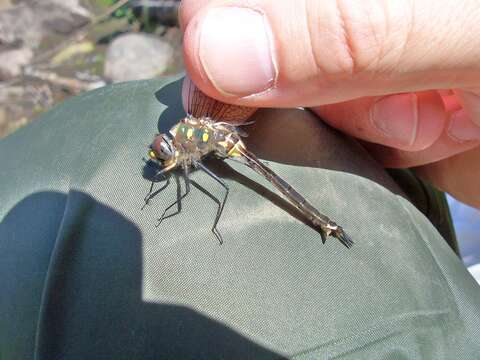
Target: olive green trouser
{"type": "Point", "coordinates": [86, 274]}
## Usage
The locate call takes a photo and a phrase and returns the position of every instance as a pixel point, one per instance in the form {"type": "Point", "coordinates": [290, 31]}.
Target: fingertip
{"type": "Point", "coordinates": [191, 13]}
{"type": "Point", "coordinates": [409, 121]}
{"type": "Point", "coordinates": [191, 58]}
{"type": "Point", "coordinates": [443, 148]}
{"type": "Point", "coordinates": [432, 119]}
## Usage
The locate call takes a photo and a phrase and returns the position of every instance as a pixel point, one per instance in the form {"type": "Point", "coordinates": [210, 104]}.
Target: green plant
{"type": "Point", "coordinates": [123, 12]}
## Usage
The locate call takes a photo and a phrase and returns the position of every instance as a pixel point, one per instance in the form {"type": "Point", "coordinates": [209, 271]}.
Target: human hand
{"type": "Point", "coordinates": [403, 76]}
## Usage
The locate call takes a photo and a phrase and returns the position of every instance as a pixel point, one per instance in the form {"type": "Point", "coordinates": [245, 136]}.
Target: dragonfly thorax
{"type": "Point", "coordinates": [194, 134]}
{"type": "Point", "coordinates": [192, 139]}
{"type": "Point", "coordinates": [198, 137]}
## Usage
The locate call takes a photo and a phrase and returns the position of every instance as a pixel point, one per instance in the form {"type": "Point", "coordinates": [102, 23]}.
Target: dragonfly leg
{"type": "Point", "coordinates": [323, 236]}
{"type": "Point", "coordinates": [177, 202]}
{"type": "Point", "coordinates": [151, 194]}
{"type": "Point", "coordinates": [222, 205]}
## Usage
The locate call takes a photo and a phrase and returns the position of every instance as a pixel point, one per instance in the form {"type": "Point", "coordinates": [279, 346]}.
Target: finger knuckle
{"type": "Point", "coordinates": [361, 35]}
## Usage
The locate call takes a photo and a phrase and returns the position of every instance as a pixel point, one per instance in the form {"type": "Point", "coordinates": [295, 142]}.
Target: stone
{"type": "Point", "coordinates": [12, 62]}
{"type": "Point", "coordinates": [27, 22]}
{"type": "Point", "coordinates": [5, 4]}
{"type": "Point", "coordinates": [14, 33]}
{"type": "Point", "coordinates": [74, 7]}
{"type": "Point", "coordinates": [64, 15]}
{"type": "Point", "coordinates": [137, 56]}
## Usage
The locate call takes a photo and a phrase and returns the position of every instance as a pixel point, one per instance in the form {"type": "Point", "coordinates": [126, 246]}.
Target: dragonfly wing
{"type": "Point", "coordinates": [241, 132]}
{"type": "Point", "coordinates": [231, 127]}
{"type": "Point", "coordinates": [200, 105]}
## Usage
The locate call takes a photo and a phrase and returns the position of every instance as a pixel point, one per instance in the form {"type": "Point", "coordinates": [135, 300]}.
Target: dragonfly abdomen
{"type": "Point", "coordinates": [326, 226]}
{"type": "Point", "coordinates": [298, 200]}
{"type": "Point", "coordinates": [286, 189]}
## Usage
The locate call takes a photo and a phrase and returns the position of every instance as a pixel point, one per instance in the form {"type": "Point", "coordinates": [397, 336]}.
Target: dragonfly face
{"type": "Point", "coordinates": [161, 151]}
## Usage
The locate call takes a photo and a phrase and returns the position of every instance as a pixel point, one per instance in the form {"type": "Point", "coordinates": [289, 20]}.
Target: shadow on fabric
{"type": "Point", "coordinates": [73, 290]}
{"type": "Point", "coordinates": [170, 95]}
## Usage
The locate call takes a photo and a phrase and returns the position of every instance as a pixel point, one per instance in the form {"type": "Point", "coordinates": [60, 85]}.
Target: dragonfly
{"type": "Point", "coordinates": [212, 128]}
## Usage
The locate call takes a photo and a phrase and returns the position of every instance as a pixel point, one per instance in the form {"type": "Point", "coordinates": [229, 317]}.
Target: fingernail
{"type": "Point", "coordinates": [462, 128]}
{"type": "Point", "coordinates": [396, 117]}
{"type": "Point", "coordinates": [236, 52]}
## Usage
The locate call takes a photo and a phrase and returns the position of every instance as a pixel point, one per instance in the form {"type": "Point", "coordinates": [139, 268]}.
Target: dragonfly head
{"type": "Point", "coordinates": [161, 150]}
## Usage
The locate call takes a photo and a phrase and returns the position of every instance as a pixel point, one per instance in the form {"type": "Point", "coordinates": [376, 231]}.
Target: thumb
{"type": "Point", "coordinates": [314, 52]}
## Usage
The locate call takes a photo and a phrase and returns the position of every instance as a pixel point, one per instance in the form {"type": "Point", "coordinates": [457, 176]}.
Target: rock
{"type": "Point", "coordinates": [21, 104]}
{"type": "Point", "coordinates": [3, 122]}
{"type": "Point", "coordinates": [64, 16]}
{"type": "Point", "coordinates": [19, 26]}
{"type": "Point", "coordinates": [175, 37]}
{"type": "Point", "coordinates": [3, 117]}
{"type": "Point", "coordinates": [5, 4]}
{"type": "Point", "coordinates": [27, 22]}
{"type": "Point", "coordinates": [12, 61]}
{"type": "Point", "coordinates": [137, 56]}
{"type": "Point", "coordinates": [72, 6]}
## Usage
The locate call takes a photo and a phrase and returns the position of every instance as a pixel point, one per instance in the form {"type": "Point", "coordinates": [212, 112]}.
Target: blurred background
{"type": "Point", "coordinates": [53, 49]}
